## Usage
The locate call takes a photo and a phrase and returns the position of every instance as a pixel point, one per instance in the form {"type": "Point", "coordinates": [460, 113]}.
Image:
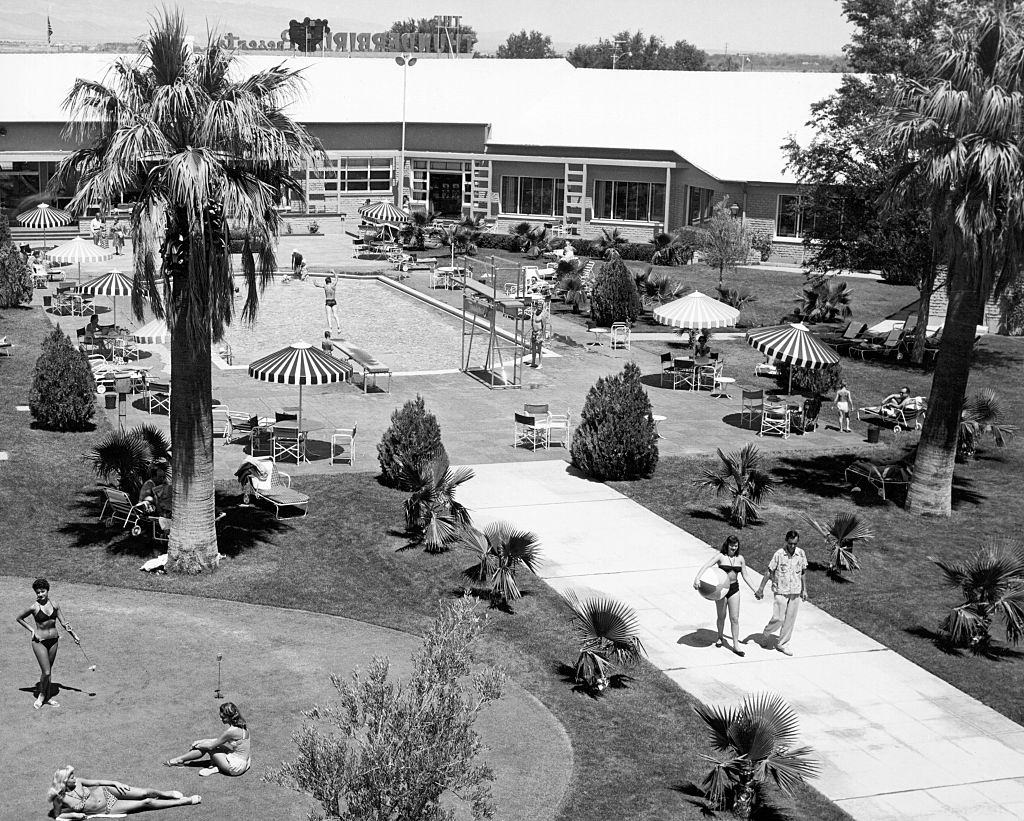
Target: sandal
{"type": "Point", "coordinates": [737, 651]}
{"type": "Point", "coordinates": [172, 763]}
{"type": "Point", "coordinates": [196, 799]}
{"type": "Point", "coordinates": [719, 643]}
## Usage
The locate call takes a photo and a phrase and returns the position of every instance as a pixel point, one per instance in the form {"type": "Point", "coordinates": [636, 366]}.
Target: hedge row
{"type": "Point", "coordinates": [639, 251]}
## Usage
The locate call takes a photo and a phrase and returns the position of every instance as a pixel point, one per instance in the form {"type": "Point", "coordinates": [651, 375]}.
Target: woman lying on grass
{"type": "Point", "coordinates": [75, 798]}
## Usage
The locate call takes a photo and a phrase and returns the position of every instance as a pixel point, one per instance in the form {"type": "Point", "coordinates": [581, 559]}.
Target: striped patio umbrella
{"type": "Point", "coordinates": [79, 250]}
{"type": "Point", "coordinates": [44, 216]}
{"type": "Point", "coordinates": [153, 333]}
{"type": "Point", "coordinates": [112, 284]}
{"type": "Point", "coordinates": [793, 344]}
{"type": "Point", "coordinates": [697, 311]}
{"type": "Point", "coordinates": [298, 364]}
{"type": "Point", "coordinates": [383, 212]}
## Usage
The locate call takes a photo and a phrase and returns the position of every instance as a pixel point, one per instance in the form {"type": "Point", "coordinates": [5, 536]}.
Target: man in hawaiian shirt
{"type": "Point", "coordinates": [788, 572]}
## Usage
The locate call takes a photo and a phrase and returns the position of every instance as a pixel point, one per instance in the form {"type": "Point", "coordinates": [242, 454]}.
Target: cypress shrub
{"type": "Point", "coordinates": [811, 380]}
{"type": "Point", "coordinates": [613, 297]}
{"type": "Point", "coordinates": [63, 391]}
{"type": "Point", "coordinates": [15, 274]}
{"type": "Point", "coordinates": [616, 438]}
{"type": "Point", "coordinates": [413, 439]}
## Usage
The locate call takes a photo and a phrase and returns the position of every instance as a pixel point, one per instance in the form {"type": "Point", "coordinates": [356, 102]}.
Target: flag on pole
{"type": "Point", "coordinates": [49, 30]}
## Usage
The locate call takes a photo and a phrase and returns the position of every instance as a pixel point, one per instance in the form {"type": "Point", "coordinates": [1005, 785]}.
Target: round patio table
{"type": "Point", "coordinates": [656, 418]}
{"type": "Point", "coordinates": [598, 333]}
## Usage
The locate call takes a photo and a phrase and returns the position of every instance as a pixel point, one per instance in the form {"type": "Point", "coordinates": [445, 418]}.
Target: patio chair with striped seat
{"type": "Point", "coordinates": [263, 481]}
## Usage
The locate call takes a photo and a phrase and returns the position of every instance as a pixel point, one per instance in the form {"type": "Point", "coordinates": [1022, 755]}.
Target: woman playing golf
{"type": "Point", "coordinates": [41, 621]}
{"type": "Point", "coordinates": [731, 562]}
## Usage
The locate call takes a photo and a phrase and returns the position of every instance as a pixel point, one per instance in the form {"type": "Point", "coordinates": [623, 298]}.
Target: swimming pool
{"type": "Point", "coordinates": [400, 330]}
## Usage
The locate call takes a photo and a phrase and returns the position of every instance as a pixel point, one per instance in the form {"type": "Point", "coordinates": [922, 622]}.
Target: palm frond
{"type": "Point", "coordinates": [777, 715]}
{"type": "Point", "coordinates": [719, 718]}
{"type": "Point", "coordinates": [788, 768]}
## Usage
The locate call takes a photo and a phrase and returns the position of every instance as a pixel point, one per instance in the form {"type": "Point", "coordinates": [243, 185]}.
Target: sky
{"type": "Point", "coordinates": [801, 26]}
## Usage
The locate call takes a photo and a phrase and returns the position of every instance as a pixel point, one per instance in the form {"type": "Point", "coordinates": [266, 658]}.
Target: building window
{"type": "Point", "coordinates": [791, 218]}
{"type": "Point", "coordinates": [629, 201]}
{"type": "Point", "coordinates": [533, 195]}
{"type": "Point", "coordinates": [700, 205]}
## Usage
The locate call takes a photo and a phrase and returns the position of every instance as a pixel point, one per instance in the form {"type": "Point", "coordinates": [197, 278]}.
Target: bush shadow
{"type": "Point", "coordinates": [941, 641]}
{"type": "Point", "coordinates": [567, 673]}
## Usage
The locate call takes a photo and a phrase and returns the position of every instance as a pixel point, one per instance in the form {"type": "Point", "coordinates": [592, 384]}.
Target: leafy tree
{"type": "Point", "coordinates": [15, 273]}
{"type": "Point", "coordinates": [416, 231]}
{"type": "Point", "coordinates": [757, 741]}
{"type": "Point", "coordinates": [427, 25]}
{"type": "Point", "coordinates": [842, 535]}
{"type": "Point", "coordinates": [616, 437]}
{"type": "Point", "coordinates": [723, 239]}
{"type": "Point", "coordinates": [608, 634]}
{"type": "Point", "coordinates": [635, 51]}
{"type": "Point", "coordinates": [960, 138]}
{"type": "Point", "coordinates": [412, 440]}
{"type": "Point", "coordinates": [196, 145]}
{"type": "Point", "coordinates": [525, 45]}
{"type": "Point", "coordinates": [982, 414]}
{"type": "Point", "coordinates": [63, 393]}
{"type": "Point", "coordinates": [393, 749]}
{"type": "Point", "coordinates": [613, 296]}
{"type": "Point", "coordinates": [432, 515]}
{"type": "Point", "coordinates": [992, 583]}
{"type": "Point", "coordinates": [501, 551]}
{"type": "Point", "coordinates": [128, 455]}
{"type": "Point", "coordinates": [827, 299]}
{"type": "Point", "coordinates": [741, 476]}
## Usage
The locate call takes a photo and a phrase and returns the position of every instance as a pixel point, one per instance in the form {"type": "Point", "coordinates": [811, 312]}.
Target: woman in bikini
{"type": "Point", "coordinates": [72, 797]}
{"type": "Point", "coordinates": [734, 565]}
{"type": "Point", "coordinates": [41, 621]}
{"type": "Point", "coordinates": [330, 301]}
{"type": "Point", "coordinates": [843, 403]}
{"type": "Point", "coordinates": [229, 754]}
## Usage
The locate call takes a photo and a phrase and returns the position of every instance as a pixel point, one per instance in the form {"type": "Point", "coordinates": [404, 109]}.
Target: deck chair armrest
{"type": "Point", "coordinates": [285, 477]}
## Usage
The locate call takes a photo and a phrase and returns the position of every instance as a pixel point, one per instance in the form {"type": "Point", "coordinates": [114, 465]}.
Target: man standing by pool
{"type": "Point", "coordinates": [788, 572]}
{"type": "Point", "coordinates": [330, 302]}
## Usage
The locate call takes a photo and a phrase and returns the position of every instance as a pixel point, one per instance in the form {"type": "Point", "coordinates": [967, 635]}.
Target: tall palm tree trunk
{"type": "Point", "coordinates": [932, 483]}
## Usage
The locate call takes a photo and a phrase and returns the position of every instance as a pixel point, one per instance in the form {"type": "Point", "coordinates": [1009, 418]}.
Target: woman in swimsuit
{"type": "Point", "coordinates": [732, 562]}
{"type": "Point", "coordinates": [330, 302]}
{"type": "Point", "coordinates": [73, 798]}
{"type": "Point", "coordinates": [41, 621]}
{"type": "Point", "coordinates": [843, 403]}
{"type": "Point", "coordinates": [229, 754]}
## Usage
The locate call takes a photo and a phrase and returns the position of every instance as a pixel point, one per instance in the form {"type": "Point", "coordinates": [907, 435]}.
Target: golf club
{"type": "Point", "coordinates": [92, 667]}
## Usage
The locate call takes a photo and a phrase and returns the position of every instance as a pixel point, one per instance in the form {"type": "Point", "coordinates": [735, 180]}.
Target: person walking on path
{"type": "Point", "coordinates": [731, 562]}
{"type": "Point", "coordinates": [330, 301]}
{"type": "Point", "coordinates": [229, 754]}
{"type": "Point", "coordinates": [117, 236]}
{"type": "Point", "coordinates": [95, 229]}
{"type": "Point", "coordinates": [297, 262]}
{"type": "Point", "coordinates": [843, 403]}
{"type": "Point", "coordinates": [41, 621]}
{"type": "Point", "coordinates": [788, 573]}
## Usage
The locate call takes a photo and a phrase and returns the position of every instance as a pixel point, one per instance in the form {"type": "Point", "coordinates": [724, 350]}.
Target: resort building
{"type": "Point", "coordinates": [537, 141]}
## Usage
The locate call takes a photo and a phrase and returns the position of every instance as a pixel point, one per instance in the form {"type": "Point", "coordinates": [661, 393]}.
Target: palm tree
{"type": "Point", "coordinates": [128, 456]}
{"type": "Point", "coordinates": [470, 230]}
{"type": "Point", "coordinates": [537, 240]}
{"type": "Point", "coordinates": [610, 243]}
{"type": "Point", "coordinates": [756, 740]}
{"type": "Point", "coordinates": [735, 297]}
{"type": "Point", "coordinates": [964, 149]}
{"type": "Point", "coordinates": [195, 145]}
{"type": "Point", "coordinates": [657, 288]}
{"type": "Point", "coordinates": [574, 290]}
{"type": "Point", "coordinates": [501, 551]}
{"type": "Point", "coordinates": [983, 414]}
{"type": "Point", "coordinates": [607, 632]}
{"type": "Point", "coordinates": [992, 583]}
{"type": "Point", "coordinates": [416, 231]}
{"type": "Point", "coordinates": [432, 515]}
{"type": "Point", "coordinates": [668, 249]}
{"type": "Point", "coordinates": [742, 478]}
{"type": "Point", "coordinates": [826, 300]}
{"type": "Point", "coordinates": [842, 535]}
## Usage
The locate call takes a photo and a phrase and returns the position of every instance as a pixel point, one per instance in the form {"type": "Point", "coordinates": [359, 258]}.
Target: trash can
{"type": "Point", "coordinates": [110, 401]}
{"type": "Point", "coordinates": [873, 432]}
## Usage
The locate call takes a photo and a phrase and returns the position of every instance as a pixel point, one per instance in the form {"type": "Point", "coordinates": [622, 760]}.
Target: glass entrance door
{"type": "Point", "coordinates": [445, 195]}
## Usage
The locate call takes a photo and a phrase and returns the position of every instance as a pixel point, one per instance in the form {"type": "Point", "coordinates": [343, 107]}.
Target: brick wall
{"type": "Point", "coordinates": [939, 304]}
{"type": "Point", "coordinates": [787, 253]}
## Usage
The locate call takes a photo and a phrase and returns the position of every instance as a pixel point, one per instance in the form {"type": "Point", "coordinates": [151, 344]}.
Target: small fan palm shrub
{"type": "Point", "coordinates": [735, 297]}
{"type": "Point", "coordinates": [741, 477]}
{"type": "Point", "coordinates": [755, 742]}
{"type": "Point", "coordinates": [608, 634]}
{"type": "Point", "coordinates": [412, 440]}
{"type": "Point", "coordinates": [616, 437]}
{"type": "Point", "coordinates": [573, 288]}
{"type": "Point", "coordinates": [613, 295]}
{"type": "Point", "coordinates": [501, 551]}
{"type": "Point", "coordinates": [992, 583]}
{"type": "Point", "coordinates": [128, 455]}
{"type": "Point", "coordinates": [63, 393]}
{"type": "Point", "coordinates": [433, 517]}
{"type": "Point", "coordinates": [656, 288]}
{"type": "Point", "coordinates": [610, 244]}
{"type": "Point", "coordinates": [416, 231]}
{"type": "Point", "coordinates": [842, 536]}
{"type": "Point", "coordinates": [827, 299]}
{"type": "Point", "coordinates": [982, 415]}
{"type": "Point", "coordinates": [668, 249]}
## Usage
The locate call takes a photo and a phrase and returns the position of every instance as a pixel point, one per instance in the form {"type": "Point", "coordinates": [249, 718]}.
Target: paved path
{"type": "Point", "coordinates": [896, 742]}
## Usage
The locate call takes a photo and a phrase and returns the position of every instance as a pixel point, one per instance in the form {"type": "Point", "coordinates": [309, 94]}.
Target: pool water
{"type": "Point", "coordinates": [401, 331]}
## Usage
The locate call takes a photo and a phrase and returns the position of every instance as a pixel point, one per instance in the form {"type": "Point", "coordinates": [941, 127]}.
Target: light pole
{"type": "Point", "coordinates": [617, 50]}
{"type": "Point", "coordinates": [405, 61]}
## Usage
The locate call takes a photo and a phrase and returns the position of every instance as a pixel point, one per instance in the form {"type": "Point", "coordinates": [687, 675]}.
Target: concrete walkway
{"type": "Point", "coordinates": [895, 741]}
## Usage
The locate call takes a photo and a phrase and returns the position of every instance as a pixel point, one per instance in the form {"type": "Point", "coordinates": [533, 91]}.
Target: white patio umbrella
{"type": "Point", "coordinates": [153, 333]}
{"type": "Point", "coordinates": [79, 250]}
{"type": "Point", "coordinates": [793, 344]}
{"type": "Point", "coordinates": [298, 364]}
{"type": "Point", "coordinates": [697, 311]}
{"type": "Point", "coordinates": [112, 284]}
{"type": "Point", "coordinates": [383, 212]}
{"type": "Point", "coordinates": [44, 216]}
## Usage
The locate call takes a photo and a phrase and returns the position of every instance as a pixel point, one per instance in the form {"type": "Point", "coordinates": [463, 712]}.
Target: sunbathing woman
{"type": "Point", "coordinates": [229, 754]}
{"type": "Point", "coordinates": [41, 621]}
{"type": "Point", "coordinates": [74, 798]}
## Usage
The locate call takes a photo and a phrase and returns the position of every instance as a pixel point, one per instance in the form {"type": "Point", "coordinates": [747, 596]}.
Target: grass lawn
{"type": "Point", "coordinates": [897, 597]}
{"type": "Point", "coordinates": [632, 748]}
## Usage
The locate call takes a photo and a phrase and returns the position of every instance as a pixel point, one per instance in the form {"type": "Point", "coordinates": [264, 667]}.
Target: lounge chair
{"type": "Point", "coordinates": [5, 346]}
{"type": "Point", "coordinates": [620, 335]}
{"type": "Point", "coordinates": [905, 416]}
{"type": "Point", "coordinates": [366, 361]}
{"type": "Point", "coordinates": [262, 480]}
{"type": "Point", "coordinates": [852, 335]}
{"type": "Point", "coordinates": [889, 347]}
{"type": "Point", "coordinates": [883, 479]}
{"type": "Point", "coordinates": [343, 445]}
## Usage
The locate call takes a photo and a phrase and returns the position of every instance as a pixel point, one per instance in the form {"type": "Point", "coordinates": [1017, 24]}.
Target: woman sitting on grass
{"type": "Point", "coordinates": [74, 798]}
{"type": "Point", "coordinates": [229, 754]}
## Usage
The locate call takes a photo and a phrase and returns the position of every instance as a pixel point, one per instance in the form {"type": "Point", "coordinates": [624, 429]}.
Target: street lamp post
{"type": "Point", "coordinates": [405, 61]}
{"type": "Point", "coordinates": [617, 50]}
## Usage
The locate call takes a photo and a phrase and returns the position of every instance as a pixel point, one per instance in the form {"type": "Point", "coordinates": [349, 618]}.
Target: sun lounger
{"type": "Point", "coordinates": [366, 362]}
{"type": "Point", "coordinates": [899, 417]}
{"type": "Point", "coordinates": [262, 480]}
{"type": "Point", "coordinates": [882, 479]}
{"type": "Point", "coordinates": [5, 346]}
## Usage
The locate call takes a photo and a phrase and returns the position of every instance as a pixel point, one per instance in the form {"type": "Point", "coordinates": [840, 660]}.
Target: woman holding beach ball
{"type": "Point", "coordinates": [719, 581]}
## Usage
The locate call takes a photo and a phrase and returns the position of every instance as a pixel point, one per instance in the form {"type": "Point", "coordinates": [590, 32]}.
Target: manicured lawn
{"type": "Point", "coordinates": [632, 748]}
{"type": "Point", "coordinates": [897, 597]}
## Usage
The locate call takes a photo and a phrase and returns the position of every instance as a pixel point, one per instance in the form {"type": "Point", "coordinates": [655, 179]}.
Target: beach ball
{"type": "Point", "coordinates": [713, 584]}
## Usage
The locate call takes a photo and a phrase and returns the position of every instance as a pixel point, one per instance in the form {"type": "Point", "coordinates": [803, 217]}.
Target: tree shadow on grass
{"type": "Point", "coordinates": [770, 806]}
{"type": "Point", "coordinates": [994, 652]}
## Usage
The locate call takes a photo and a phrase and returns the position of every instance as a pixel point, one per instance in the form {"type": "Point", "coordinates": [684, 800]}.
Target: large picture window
{"type": "Point", "coordinates": [791, 219]}
{"type": "Point", "coordinates": [533, 195]}
{"type": "Point", "coordinates": [629, 201]}
{"type": "Point", "coordinates": [700, 205]}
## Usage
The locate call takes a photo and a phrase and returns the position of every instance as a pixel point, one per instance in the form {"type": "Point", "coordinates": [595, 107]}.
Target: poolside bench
{"type": "Point", "coordinates": [366, 361]}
